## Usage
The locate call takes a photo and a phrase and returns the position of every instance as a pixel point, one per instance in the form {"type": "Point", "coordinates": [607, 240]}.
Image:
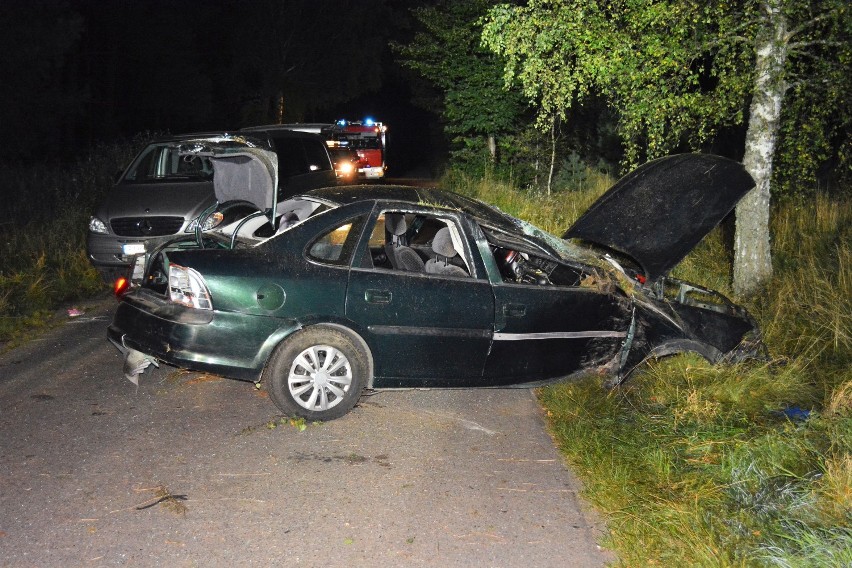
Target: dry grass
{"type": "Point", "coordinates": [162, 496]}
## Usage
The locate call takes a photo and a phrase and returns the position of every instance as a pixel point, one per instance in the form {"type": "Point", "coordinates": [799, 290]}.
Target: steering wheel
{"type": "Point", "coordinates": [515, 267]}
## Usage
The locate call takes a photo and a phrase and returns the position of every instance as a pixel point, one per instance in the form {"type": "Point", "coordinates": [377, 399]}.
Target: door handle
{"type": "Point", "coordinates": [514, 310]}
{"type": "Point", "coordinates": [378, 296]}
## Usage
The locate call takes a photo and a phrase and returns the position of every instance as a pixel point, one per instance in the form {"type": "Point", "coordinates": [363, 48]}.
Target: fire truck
{"type": "Point", "coordinates": [367, 138]}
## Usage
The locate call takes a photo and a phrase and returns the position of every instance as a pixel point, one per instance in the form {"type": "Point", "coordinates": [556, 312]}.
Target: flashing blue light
{"type": "Point", "coordinates": [368, 122]}
{"type": "Point", "coordinates": [341, 122]}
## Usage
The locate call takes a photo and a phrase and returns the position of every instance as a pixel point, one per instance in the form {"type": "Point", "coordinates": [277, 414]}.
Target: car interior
{"type": "Point", "coordinates": [413, 242]}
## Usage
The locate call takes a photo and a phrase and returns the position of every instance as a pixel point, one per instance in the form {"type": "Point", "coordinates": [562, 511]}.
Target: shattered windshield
{"type": "Point", "coordinates": [187, 160]}
{"type": "Point", "coordinates": [565, 249]}
{"type": "Point", "coordinates": [535, 239]}
{"type": "Point", "coordinates": [159, 162]}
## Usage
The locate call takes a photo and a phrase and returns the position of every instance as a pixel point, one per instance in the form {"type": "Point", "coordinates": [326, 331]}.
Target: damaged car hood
{"type": "Point", "coordinates": [660, 211]}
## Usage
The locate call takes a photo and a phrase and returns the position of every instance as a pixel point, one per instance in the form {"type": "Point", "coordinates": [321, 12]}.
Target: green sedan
{"type": "Point", "coordinates": [373, 287]}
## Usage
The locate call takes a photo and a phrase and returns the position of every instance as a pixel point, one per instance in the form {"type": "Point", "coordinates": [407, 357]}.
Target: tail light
{"type": "Point", "coordinates": [120, 286]}
{"type": "Point", "coordinates": [187, 288]}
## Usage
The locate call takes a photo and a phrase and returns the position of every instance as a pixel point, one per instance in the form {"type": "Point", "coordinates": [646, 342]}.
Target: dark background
{"type": "Point", "coordinates": [81, 72]}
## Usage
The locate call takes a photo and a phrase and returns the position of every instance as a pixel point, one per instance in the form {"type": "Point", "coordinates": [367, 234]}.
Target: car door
{"type": "Point", "coordinates": [545, 330]}
{"type": "Point", "coordinates": [423, 329]}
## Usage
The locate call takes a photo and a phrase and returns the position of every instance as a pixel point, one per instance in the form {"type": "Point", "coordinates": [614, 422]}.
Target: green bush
{"type": "Point", "coordinates": [43, 238]}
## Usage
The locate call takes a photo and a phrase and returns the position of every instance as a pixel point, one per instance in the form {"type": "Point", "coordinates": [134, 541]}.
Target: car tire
{"type": "Point", "coordinates": [318, 373]}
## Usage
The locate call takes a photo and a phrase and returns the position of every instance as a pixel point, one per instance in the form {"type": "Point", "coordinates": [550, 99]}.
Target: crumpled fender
{"type": "Point", "coordinates": [662, 327]}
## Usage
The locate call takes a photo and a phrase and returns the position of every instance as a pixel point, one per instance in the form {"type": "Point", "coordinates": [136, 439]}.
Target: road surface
{"type": "Point", "coordinates": [195, 470]}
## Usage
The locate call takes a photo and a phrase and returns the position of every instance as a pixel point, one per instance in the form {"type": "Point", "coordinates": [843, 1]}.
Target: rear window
{"type": "Point", "coordinates": [317, 155]}
{"type": "Point", "coordinates": [292, 160]}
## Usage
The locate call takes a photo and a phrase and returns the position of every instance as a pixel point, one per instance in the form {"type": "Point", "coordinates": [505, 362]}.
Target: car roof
{"type": "Point", "coordinates": [280, 130]}
{"type": "Point", "coordinates": [431, 196]}
{"type": "Point", "coordinates": [249, 132]}
{"type": "Point", "coordinates": [193, 135]}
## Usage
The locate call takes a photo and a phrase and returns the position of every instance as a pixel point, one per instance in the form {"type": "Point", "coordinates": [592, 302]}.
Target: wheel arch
{"type": "Point", "coordinates": [284, 334]}
{"type": "Point", "coordinates": [667, 349]}
{"type": "Point", "coordinates": [678, 346]}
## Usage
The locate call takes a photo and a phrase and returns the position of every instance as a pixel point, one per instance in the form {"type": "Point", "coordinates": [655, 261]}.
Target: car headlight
{"type": "Point", "coordinates": [347, 168]}
{"type": "Point", "coordinates": [210, 222]}
{"type": "Point", "coordinates": [97, 226]}
{"type": "Point", "coordinates": [187, 288]}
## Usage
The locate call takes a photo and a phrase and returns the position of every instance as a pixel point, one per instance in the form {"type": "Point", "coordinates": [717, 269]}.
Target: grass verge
{"type": "Point", "coordinates": [43, 262]}
{"type": "Point", "coordinates": [43, 266]}
{"type": "Point", "coordinates": [746, 465]}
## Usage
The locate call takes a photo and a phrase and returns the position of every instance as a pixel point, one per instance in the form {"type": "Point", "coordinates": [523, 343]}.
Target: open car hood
{"type": "Point", "coordinates": [658, 212]}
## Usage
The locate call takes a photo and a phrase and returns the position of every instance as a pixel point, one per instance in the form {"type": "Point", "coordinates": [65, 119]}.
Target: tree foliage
{"type": "Point", "coordinates": [672, 76]}
{"type": "Point", "coordinates": [446, 51]}
{"type": "Point", "coordinates": [79, 71]}
{"type": "Point", "coordinates": [287, 60]}
{"type": "Point", "coordinates": [37, 40]}
{"type": "Point", "coordinates": [678, 71]}
{"type": "Point", "coordinates": [815, 146]}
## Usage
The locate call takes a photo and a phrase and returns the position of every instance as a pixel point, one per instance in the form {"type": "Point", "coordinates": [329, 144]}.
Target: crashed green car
{"type": "Point", "coordinates": [344, 289]}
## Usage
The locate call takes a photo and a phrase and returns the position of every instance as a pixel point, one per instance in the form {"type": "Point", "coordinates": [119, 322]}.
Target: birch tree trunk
{"type": "Point", "coordinates": [752, 255]}
{"type": "Point", "coordinates": [552, 155]}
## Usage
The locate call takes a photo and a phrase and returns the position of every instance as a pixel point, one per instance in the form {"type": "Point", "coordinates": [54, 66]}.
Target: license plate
{"type": "Point", "coordinates": [130, 249]}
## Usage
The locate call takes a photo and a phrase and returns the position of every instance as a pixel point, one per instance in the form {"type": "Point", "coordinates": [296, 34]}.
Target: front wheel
{"type": "Point", "coordinates": [318, 374]}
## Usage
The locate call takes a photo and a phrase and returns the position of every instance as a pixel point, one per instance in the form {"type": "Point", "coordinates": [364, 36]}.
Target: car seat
{"type": "Point", "coordinates": [401, 256]}
{"type": "Point", "coordinates": [442, 246]}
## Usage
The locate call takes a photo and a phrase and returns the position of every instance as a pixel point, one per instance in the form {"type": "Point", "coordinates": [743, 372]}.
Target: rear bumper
{"type": "Point", "coordinates": [229, 344]}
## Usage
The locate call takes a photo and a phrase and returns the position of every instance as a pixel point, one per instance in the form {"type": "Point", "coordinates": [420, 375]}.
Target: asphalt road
{"type": "Point", "coordinates": [187, 470]}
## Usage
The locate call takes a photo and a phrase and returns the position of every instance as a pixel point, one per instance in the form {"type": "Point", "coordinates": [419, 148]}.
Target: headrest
{"type": "Point", "coordinates": [442, 244]}
{"type": "Point", "coordinates": [395, 224]}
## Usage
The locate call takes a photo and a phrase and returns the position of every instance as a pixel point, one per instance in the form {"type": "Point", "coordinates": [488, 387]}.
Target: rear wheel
{"type": "Point", "coordinates": [318, 373]}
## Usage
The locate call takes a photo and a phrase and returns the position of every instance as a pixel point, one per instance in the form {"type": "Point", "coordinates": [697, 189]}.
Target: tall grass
{"type": "Point", "coordinates": [553, 213]}
{"type": "Point", "coordinates": [744, 465]}
{"type": "Point", "coordinates": [43, 266]}
{"type": "Point", "coordinates": [42, 236]}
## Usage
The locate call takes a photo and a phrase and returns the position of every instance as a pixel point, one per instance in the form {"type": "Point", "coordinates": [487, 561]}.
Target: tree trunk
{"type": "Point", "coordinates": [492, 148]}
{"type": "Point", "coordinates": [552, 154]}
{"type": "Point", "coordinates": [279, 111]}
{"type": "Point", "coordinates": [752, 255]}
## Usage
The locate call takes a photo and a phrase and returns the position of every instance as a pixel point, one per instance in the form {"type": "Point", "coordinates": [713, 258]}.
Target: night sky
{"type": "Point", "coordinates": [79, 72]}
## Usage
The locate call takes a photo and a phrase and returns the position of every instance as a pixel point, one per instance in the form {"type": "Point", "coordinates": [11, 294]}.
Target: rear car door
{"type": "Point", "coordinates": [423, 329]}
